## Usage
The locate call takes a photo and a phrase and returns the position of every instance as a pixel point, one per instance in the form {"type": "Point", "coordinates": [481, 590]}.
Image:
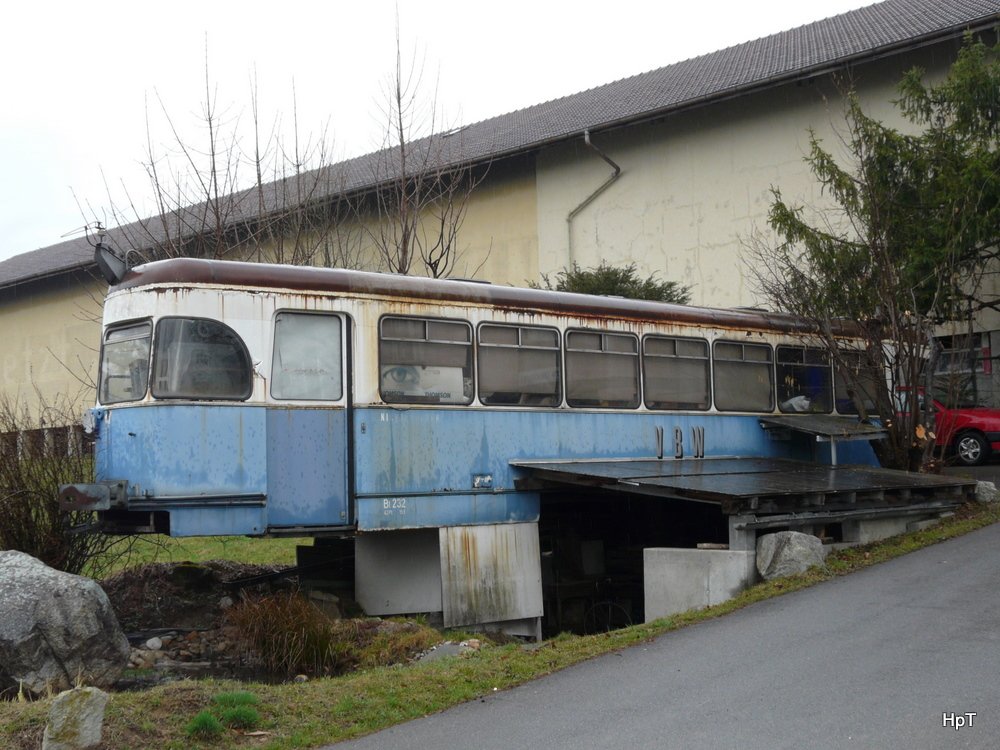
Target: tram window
{"type": "Point", "coordinates": [855, 375]}
{"type": "Point", "coordinates": [804, 380]}
{"type": "Point", "coordinates": [743, 376]}
{"type": "Point", "coordinates": [518, 365]}
{"type": "Point", "coordinates": [200, 359]}
{"type": "Point", "coordinates": [425, 361]}
{"type": "Point", "coordinates": [676, 373]}
{"type": "Point", "coordinates": [602, 370]}
{"type": "Point", "coordinates": [125, 363]}
{"type": "Point", "coordinates": [307, 357]}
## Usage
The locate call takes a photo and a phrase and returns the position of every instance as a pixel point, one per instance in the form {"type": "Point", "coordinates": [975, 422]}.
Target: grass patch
{"type": "Point", "coordinates": [240, 717]}
{"type": "Point", "coordinates": [204, 726]}
{"type": "Point", "coordinates": [159, 548]}
{"type": "Point", "coordinates": [320, 711]}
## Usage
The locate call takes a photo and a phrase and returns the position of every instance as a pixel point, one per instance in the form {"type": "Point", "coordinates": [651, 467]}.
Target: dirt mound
{"type": "Point", "coordinates": [185, 595]}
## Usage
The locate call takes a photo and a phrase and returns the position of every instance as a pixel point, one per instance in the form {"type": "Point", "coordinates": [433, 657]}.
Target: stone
{"type": "Point", "coordinates": [787, 553]}
{"type": "Point", "coordinates": [57, 630]}
{"type": "Point", "coordinates": [986, 492]}
{"type": "Point", "coordinates": [76, 720]}
{"type": "Point", "coordinates": [154, 644]}
{"type": "Point", "coordinates": [225, 602]}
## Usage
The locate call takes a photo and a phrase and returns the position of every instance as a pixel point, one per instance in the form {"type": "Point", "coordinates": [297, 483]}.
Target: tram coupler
{"type": "Point", "coordinates": [93, 496]}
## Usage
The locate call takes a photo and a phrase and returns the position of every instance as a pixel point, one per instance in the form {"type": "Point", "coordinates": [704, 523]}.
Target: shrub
{"type": "Point", "coordinates": [616, 281]}
{"type": "Point", "coordinates": [35, 458]}
{"type": "Point", "coordinates": [289, 635]}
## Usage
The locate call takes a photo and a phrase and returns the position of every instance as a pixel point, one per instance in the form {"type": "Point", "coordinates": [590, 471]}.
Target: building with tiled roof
{"type": "Point", "coordinates": [668, 169]}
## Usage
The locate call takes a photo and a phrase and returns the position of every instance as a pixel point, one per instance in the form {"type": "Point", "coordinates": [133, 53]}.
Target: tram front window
{"type": "Point", "coordinates": [200, 359]}
{"type": "Point", "coordinates": [125, 363]}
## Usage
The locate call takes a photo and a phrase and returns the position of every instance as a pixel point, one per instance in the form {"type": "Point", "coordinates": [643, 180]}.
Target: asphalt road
{"type": "Point", "coordinates": [872, 660]}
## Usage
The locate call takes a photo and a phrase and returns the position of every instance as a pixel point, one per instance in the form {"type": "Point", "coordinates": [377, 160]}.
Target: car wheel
{"type": "Point", "coordinates": [972, 449]}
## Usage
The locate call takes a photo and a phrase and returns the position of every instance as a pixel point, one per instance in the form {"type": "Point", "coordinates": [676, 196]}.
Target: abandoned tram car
{"type": "Point", "coordinates": [258, 399]}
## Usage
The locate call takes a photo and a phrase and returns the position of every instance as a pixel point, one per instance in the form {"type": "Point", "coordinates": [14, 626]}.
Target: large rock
{"type": "Point", "coordinates": [786, 553]}
{"type": "Point", "coordinates": [986, 492]}
{"type": "Point", "coordinates": [56, 630]}
{"type": "Point", "coordinates": [76, 720]}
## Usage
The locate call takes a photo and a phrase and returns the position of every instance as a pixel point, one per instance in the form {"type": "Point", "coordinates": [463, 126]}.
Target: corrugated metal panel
{"type": "Point", "coordinates": [490, 573]}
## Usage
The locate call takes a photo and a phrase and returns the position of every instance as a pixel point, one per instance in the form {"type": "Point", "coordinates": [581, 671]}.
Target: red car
{"type": "Point", "coordinates": [970, 433]}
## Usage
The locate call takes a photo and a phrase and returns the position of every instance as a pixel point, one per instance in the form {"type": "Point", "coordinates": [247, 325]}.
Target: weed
{"type": "Point", "coordinates": [204, 726]}
{"type": "Point", "coordinates": [237, 698]}
{"type": "Point", "coordinates": [240, 717]}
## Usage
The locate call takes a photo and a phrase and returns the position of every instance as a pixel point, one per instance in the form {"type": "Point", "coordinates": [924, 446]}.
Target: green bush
{"type": "Point", "coordinates": [616, 281]}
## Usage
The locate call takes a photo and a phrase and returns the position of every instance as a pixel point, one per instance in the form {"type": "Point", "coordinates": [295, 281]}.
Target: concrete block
{"type": "Point", "coordinates": [676, 580]}
{"type": "Point", "coordinates": [922, 524]}
{"type": "Point", "coordinates": [873, 530]}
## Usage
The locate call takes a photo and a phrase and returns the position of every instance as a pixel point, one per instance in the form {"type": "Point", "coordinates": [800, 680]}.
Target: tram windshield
{"type": "Point", "coordinates": [125, 363]}
{"type": "Point", "coordinates": [200, 359]}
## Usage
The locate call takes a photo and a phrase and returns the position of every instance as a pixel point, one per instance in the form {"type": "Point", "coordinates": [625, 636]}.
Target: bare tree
{"type": "Point", "coordinates": [422, 185]}
{"type": "Point", "coordinates": [275, 199]}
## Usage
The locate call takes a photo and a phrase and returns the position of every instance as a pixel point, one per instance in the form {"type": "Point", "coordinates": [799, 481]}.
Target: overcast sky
{"type": "Point", "coordinates": [79, 78]}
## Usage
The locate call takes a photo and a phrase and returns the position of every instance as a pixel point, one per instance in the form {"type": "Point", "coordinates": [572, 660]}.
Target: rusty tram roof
{"type": "Point", "coordinates": [307, 279]}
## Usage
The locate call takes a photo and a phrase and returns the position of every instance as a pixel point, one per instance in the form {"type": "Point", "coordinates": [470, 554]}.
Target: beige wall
{"type": "Point", "coordinates": [692, 185]}
{"type": "Point", "coordinates": [51, 335]}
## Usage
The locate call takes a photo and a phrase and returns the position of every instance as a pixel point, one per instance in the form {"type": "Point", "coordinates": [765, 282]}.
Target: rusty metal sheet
{"type": "Point", "coordinates": [490, 574]}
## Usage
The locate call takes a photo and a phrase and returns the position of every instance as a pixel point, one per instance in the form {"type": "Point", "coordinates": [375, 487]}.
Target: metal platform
{"type": "Point", "coordinates": [757, 485]}
{"type": "Point", "coordinates": [825, 428]}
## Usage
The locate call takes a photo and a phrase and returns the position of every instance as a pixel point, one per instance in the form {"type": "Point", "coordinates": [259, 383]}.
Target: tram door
{"type": "Point", "coordinates": [307, 423]}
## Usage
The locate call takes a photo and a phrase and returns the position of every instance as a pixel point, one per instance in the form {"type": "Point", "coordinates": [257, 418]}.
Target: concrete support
{"type": "Point", "coordinates": [676, 580]}
{"type": "Point", "coordinates": [742, 540]}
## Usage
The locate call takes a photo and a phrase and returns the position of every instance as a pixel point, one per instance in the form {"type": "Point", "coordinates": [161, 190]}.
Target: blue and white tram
{"type": "Point", "coordinates": [260, 399]}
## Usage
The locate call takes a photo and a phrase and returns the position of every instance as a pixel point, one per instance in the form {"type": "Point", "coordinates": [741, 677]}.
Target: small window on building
{"type": "Point", "coordinates": [743, 377]}
{"type": "Point", "coordinates": [425, 361]}
{"type": "Point", "coordinates": [856, 379]}
{"type": "Point", "coordinates": [518, 366]}
{"type": "Point", "coordinates": [307, 357]}
{"type": "Point", "coordinates": [676, 373]}
{"type": "Point", "coordinates": [804, 379]}
{"type": "Point", "coordinates": [197, 358]}
{"type": "Point", "coordinates": [602, 370]}
{"type": "Point", "coordinates": [125, 363]}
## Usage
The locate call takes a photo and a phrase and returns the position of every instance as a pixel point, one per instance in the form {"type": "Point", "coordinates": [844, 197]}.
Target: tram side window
{"type": "Point", "coordinates": [676, 373]}
{"type": "Point", "coordinates": [198, 358]}
{"type": "Point", "coordinates": [125, 363]}
{"type": "Point", "coordinates": [602, 370]}
{"type": "Point", "coordinates": [307, 357]}
{"type": "Point", "coordinates": [804, 380]}
{"type": "Point", "coordinates": [425, 361]}
{"type": "Point", "coordinates": [856, 375]}
{"type": "Point", "coordinates": [518, 365]}
{"type": "Point", "coordinates": [743, 377]}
